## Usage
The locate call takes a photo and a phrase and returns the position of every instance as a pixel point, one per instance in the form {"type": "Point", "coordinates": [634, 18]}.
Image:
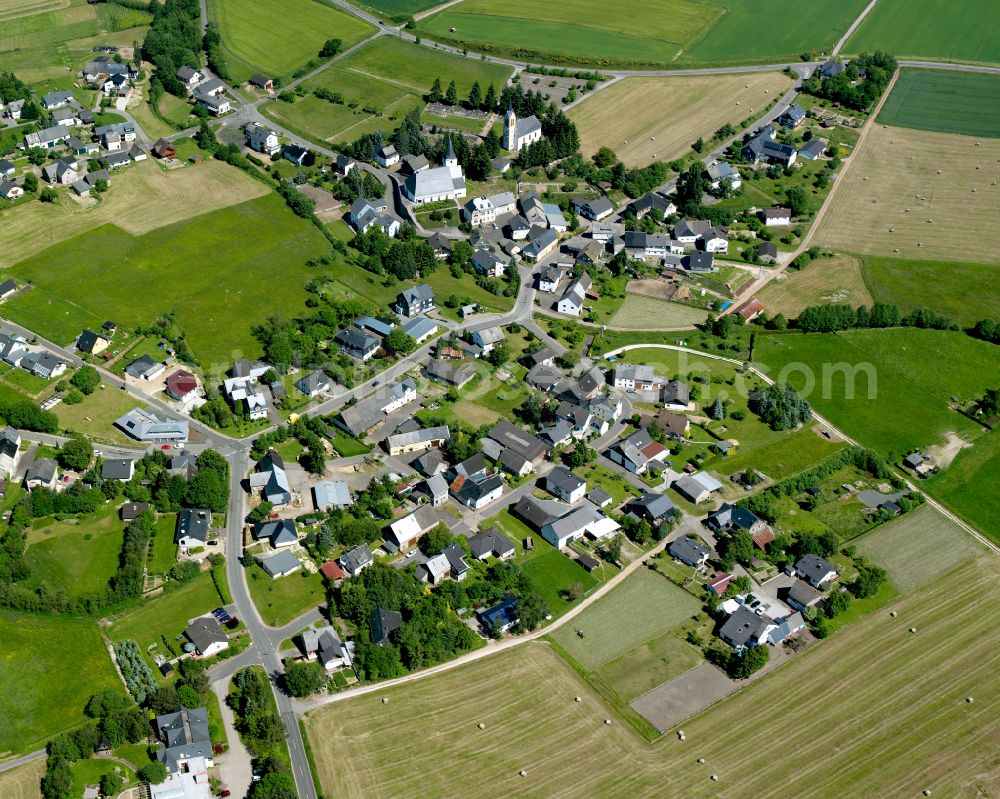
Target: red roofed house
{"type": "Point", "coordinates": [332, 571]}
{"type": "Point", "coordinates": [751, 310]}
{"type": "Point", "coordinates": [182, 385]}
{"type": "Point", "coordinates": [719, 582]}
{"type": "Point", "coordinates": [763, 537]}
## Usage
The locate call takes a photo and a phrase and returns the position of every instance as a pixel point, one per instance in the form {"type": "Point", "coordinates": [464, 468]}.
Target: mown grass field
{"type": "Point", "coordinates": [163, 555]}
{"type": "Point", "coordinates": [644, 313]}
{"type": "Point", "coordinates": [76, 557]}
{"type": "Point", "coordinates": [947, 102]}
{"type": "Point", "coordinates": [166, 617]}
{"type": "Point", "coordinates": [142, 198]}
{"type": "Point", "coordinates": [279, 601]}
{"type": "Point", "coordinates": [554, 574]}
{"type": "Point", "coordinates": [658, 119]}
{"type": "Point", "coordinates": [968, 486]}
{"type": "Point", "coordinates": [880, 712]}
{"type": "Point", "coordinates": [919, 547]}
{"type": "Point", "coordinates": [964, 292]}
{"type": "Point", "coordinates": [49, 667]}
{"type": "Point", "coordinates": [880, 386]}
{"type": "Point", "coordinates": [96, 415]}
{"type": "Point", "coordinates": [257, 252]}
{"type": "Point", "coordinates": [910, 195]}
{"type": "Point", "coordinates": [45, 41]}
{"type": "Point", "coordinates": [388, 74]}
{"type": "Point", "coordinates": [23, 782]}
{"type": "Point", "coordinates": [394, 7]}
{"type": "Point", "coordinates": [931, 29]}
{"type": "Point", "coordinates": [575, 31]}
{"type": "Point", "coordinates": [792, 28]}
{"type": "Point", "coordinates": [278, 36]}
{"type": "Point", "coordinates": [782, 458]}
{"type": "Point", "coordinates": [652, 605]}
{"type": "Point", "coordinates": [824, 281]}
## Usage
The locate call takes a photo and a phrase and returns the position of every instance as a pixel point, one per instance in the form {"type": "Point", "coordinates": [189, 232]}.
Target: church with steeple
{"type": "Point", "coordinates": [445, 182]}
{"type": "Point", "coordinates": [519, 133]}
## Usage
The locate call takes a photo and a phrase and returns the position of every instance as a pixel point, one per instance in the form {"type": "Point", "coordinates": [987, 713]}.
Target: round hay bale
{"type": "Point", "coordinates": [969, 700]}
{"type": "Point", "coordinates": [523, 773]}
{"type": "Point", "coordinates": [578, 699]}
{"type": "Point", "coordinates": [913, 629]}
{"type": "Point", "coordinates": [714, 778]}
{"type": "Point", "coordinates": [385, 700]}
{"type": "Point", "coordinates": [481, 726]}
{"type": "Point", "coordinates": [927, 791]}
{"type": "Point", "coordinates": [607, 722]}
{"type": "Point", "coordinates": [701, 761]}
{"type": "Point", "coordinates": [680, 733]}
{"type": "Point", "coordinates": [892, 613]}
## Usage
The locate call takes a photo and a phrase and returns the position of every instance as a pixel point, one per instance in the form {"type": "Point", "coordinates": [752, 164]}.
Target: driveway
{"type": "Point", "coordinates": [234, 766]}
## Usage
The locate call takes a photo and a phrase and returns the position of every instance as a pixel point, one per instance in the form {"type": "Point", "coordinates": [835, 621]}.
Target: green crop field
{"type": "Point", "coordinates": [78, 557]}
{"type": "Point", "coordinates": [969, 485]}
{"type": "Point", "coordinates": [49, 667]}
{"type": "Point", "coordinates": [840, 372]}
{"type": "Point", "coordinates": [256, 250]}
{"type": "Point", "coordinates": [282, 600]}
{"type": "Point", "coordinates": [931, 29]}
{"type": "Point", "coordinates": [166, 617]}
{"type": "Point", "coordinates": [652, 605]}
{"type": "Point", "coordinates": [576, 31]}
{"type": "Point", "coordinates": [948, 102]}
{"type": "Point", "coordinates": [879, 712]}
{"type": "Point", "coordinates": [389, 75]}
{"type": "Point", "coordinates": [393, 8]}
{"type": "Point", "coordinates": [919, 547]}
{"type": "Point", "coordinates": [278, 36]}
{"type": "Point", "coordinates": [963, 292]}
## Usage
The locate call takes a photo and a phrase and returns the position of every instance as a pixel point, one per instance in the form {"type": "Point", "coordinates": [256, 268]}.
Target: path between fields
{"type": "Point", "coordinates": [854, 26]}
{"type": "Point", "coordinates": [762, 281]}
{"type": "Point", "coordinates": [491, 648]}
{"type": "Point", "coordinates": [822, 420]}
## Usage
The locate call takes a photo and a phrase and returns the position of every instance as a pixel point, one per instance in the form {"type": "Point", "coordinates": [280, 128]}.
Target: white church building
{"type": "Point", "coordinates": [519, 133]}
{"type": "Point", "coordinates": [445, 182]}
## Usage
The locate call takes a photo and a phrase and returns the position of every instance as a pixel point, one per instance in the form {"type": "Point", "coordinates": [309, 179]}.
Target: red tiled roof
{"type": "Point", "coordinates": [181, 383]}
{"type": "Point", "coordinates": [763, 537]}
{"type": "Point", "coordinates": [653, 449]}
{"type": "Point", "coordinates": [719, 583]}
{"type": "Point", "coordinates": [332, 571]}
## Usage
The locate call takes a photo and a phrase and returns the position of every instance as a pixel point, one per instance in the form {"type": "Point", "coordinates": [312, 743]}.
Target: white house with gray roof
{"type": "Point", "coordinates": [445, 182]}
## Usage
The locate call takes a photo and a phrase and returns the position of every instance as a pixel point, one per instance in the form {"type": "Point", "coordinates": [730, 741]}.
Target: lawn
{"type": "Point", "coordinates": [23, 782]}
{"type": "Point", "coordinates": [576, 31]}
{"type": "Point", "coordinates": [347, 447]}
{"type": "Point", "coordinates": [76, 556]}
{"type": "Point", "coordinates": [163, 554]}
{"type": "Point", "coordinates": [466, 289]}
{"type": "Point", "coordinates": [96, 415]}
{"type": "Point", "coordinates": [827, 280]}
{"type": "Point", "coordinates": [652, 605]}
{"type": "Point", "coordinates": [46, 687]}
{"type": "Point", "coordinates": [389, 75]}
{"type": "Point", "coordinates": [282, 600]}
{"type": "Point", "coordinates": [257, 252]}
{"type": "Point", "coordinates": [964, 292]}
{"type": "Point", "coordinates": [932, 29]}
{"type": "Point", "coordinates": [947, 102]}
{"type": "Point", "coordinates": [879, 712]}
{"type": "Point", "coordinates": [278, 36]}
{"type": "Point", "coordinates": [879, 386]}
{"type": "Point", "coordinates": [791, 28]}
{"type": "Point", "coordinates": [919, 548]}
{"type": "Point", "coordinates": [650, 119]}
{"type": "Point", "coordinates": [396, 7]}
{"type": "Point", "coordinates": [969, 486]}
{"type": "Point", "coordinates": [783, 457]}
{"type": "Point", "coordinates": [141, 199]}
{"type": "Point", "coordinates": [157, 622]}
{"type": "Point", "coordinates": [617, 486]}
{"type": "Point", "coordinates": [909, 194]}
{"type": "Point", "coordinates": [648, 665]}
{"type": "Point", "coordinates": [89, 772]}
{"type": "Point", "coordinates": [553, 574]}
{"type": "Point", "coordinates": [642, 313]}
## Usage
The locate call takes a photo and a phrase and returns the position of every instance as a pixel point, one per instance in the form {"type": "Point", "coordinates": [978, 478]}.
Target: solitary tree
{"type": "Point", "coordinates": [451, 96]}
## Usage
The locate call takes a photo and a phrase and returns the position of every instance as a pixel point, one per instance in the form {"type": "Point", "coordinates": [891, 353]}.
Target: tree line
{"type": "Point", "coordinates": [849, 88]}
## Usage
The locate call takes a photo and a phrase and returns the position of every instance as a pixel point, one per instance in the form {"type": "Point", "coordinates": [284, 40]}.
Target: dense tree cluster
{"type": "Point", "coordinates": [174, 40]}
{"type": "Point", "coordinates": [848, 87]}
{"type": "Point", "coordinates": [780, 407]}
{"type": "Point", "coordinates": [987, 330]}
{"type": "Point", "coordinates": [26, 415]}
{"type": "Point", "coordinates": [833, 317]}
{"type": "Point", "coordinates": [212, 42]}
{"type": "Point", "coordinates": [404, 257]}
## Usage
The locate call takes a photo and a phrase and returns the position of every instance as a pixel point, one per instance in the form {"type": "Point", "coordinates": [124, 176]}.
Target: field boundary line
{"type": "Point", "coordinates": [853, 27]}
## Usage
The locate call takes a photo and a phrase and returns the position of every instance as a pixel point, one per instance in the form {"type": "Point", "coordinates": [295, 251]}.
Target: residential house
{"type": "Point", "coordinates": [436, 488]}
{"type": "Point", "coordinates": [491, 543]}
{"type": "Point", "coordinates": [696, 487]}
{"type": "Point", "coordinates": [548, 279]}
{"type": "Point", "coordinates": [413, 164]}
{"type": "Point", "coordinates": [296, 154]}
{"type": "Point", "coordinates": [554, 218]}
{"type": "Point", "coordinates": [64, 171]}
{"type": "Point", "coordinates": [417, 440]}
{"type": "Point", "coordinates": [182, 386]}
{"type": "Point", "coordinates": [314, 384]}
{"type": "Point", "coordinates": [541, 245]}
{"type": "Point", "coordinates": [7, 288]}
{"type": "Point", "coordinates": [566, 529]}
{"type": "Point", "coordinates": [488, 338]}
{"type": "Point", "coordinates": [499, 618]}
{"type": "Point", "coordinates": [556, 435]}
{"type": "Point", "coordinates": [634, 377]}
{"type": "Point", "coordinates": [406, 531]}
{"type": "Point", "coordinates": [382, 624]}
{"type": "Point", "coordinates": [445, 182]}
{"type": "Point", "coordinates": [513, 438]}
{"type": "Point", "coordinates": [332, 494]}
{"type": "Point", "coordinates": [607, 408]}
{"type": "Point", "coordinates": [478, 490]}
{"type": "Point", "coordinates": [595, 210]}
{"type": "Point", "coordinates": [816, 571]}
{"type": "Point", "coordinates": [767, 252]}
{"type": "Point", "coordinates": [650, 507]}
{"type": "Point", "coordinates": [121, 469]}
{"type": "Point", "coordinates": [654, 201]}
{"type": "Point", "coordinates": [54, 100]}
{"type": "Point", "coordinates": [366, 213]}
{"type": "Point", "coordinates": [144, 425]}
{"type": "Point", "coordinates": [572, 301]}
{"type": "Point", "coordinates": [356, 344]}
{"type": "Point", "coordinates": [830, 68]}
{"type": "Point", "coordinates": [118, 160]}
{"type": "Point", "coordinates": [7, 168]}
{"type": "Point", "coordinates": [163, 149]}
{"type": "Point", "coordinates": [762, 148]}
{"type": "Point", "coordinates": [638, 452]}
{"type": "Point", "coordinates": [415, 300]}
{"type": "Point", "coordinates": [675, 395]}
{"type": "Point", "coordinates": [387, 156]}
{"type": "Point", "coordinates": [65, 116]}
{"type": "Point", "coordinates": [688, 231]}
{"type": "Point", "coordinates": [261, 82]}
{"type": "Point", "coordinates": [262, 139]}
{"type": "Point", "coordinates": [207, 636]}
{"type": "Point", "coordinates": [191, 528]}
{"type": "Point", "coordinates": [813, 149]}
{"type": "Point", "coordinates": [451, 374]}
{"type": "Point", "coordinates": [343, 165]}
{"type": "Point", "coordinates": [42, 473]}
{"type": "Point", "coordinates": [715, 240]}
{"type": "Point", "coordinates": [792, 117]}
{"type": "Point", "coordinates": [688, 551]}
{"type": "Point", "coordinates": [744, 628]}
{"type": "Point", "coordinates": [701, 262]}
{"type": "Point", "coordinates": [14, 109]}
{"type": "Point", "coordinates": [217, 106]}
{"type": "Point", "coordinates": [565, 485]}
{"type": "Point", "coordinates": [9, 190]}
{"type": "Point", "coordinates": [356, 560]}
{"type": "Point", "coordinates": [131, 511]}
{"type": "Point", "coordinates": [801, 595]}
{"type": "Point", "coordinates": [450, 562]}
{"type": "Point", "coordinates": [189, 76]}
{"type": "Point", "coordinates": [776, 216]}
{"type": "Point", "coordinates": [484, 210]}
{"type": "Point", "coordinates": [719, 171]}
{"type": "Point", "coordinates": [487, 263]}
{"type": "Point", "coordinates": [279, 532]}
{"type": "Point", "coordinates": [325, 647]}
{"type": "Point", "coordinates": [358, 419]}
{"type": "Point", "coordinates": [676, 427]}
{"type": "Point", "coordinates": [113, 137]}
{"type": "Point", "coordinates": [10, 450]}
{"type": "Point", "coordinates": [185, 737]}
{"type": "Point", "coordinates": [271, 478]}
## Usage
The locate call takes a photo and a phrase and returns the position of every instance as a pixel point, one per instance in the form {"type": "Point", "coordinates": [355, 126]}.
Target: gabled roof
{"type": "Point", "coordinates": [490, 542]}
{"type": "Point", "coordinates": [382, 623]}
{"type": "Point", "coordinates": [192, 523]}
